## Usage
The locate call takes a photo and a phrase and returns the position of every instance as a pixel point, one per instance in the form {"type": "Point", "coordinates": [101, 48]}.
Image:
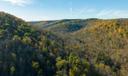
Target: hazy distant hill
{"type": "Point", "coordinates": [67, 25]}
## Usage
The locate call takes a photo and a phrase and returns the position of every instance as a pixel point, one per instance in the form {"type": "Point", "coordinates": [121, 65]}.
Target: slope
{"type": "Point", "coordinates": [25, 51]}
{"type": "Point", "coordinates": [105, 44]}
{"type": "Point", "coordinates": [63, 26]}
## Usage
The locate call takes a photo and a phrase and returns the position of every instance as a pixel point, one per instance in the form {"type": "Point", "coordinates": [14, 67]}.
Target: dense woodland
{"type": "Point", "coordinates": [91, 47]}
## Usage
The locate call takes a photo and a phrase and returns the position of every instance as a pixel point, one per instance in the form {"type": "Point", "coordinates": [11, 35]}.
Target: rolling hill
{"type": "Point", "coordinates": [67, 25]}
{"type": "Point", "coordinates": [70, 47]}
{"type": "Point", "coordinates": [103, 42]}
{"type": "Point", "coordinates": [25, 51]}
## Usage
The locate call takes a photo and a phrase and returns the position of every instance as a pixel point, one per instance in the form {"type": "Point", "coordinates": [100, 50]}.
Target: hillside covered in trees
{"type": "Point", "coordinates": [91, 47]}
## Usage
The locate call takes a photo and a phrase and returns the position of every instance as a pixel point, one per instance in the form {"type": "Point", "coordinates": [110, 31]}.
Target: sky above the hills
{"type": "Point", "coordinates": [33, 10]}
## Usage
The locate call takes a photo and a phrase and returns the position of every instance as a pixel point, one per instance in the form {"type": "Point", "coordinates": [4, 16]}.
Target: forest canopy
{"type": "Point", "coordinates": [91, 47]}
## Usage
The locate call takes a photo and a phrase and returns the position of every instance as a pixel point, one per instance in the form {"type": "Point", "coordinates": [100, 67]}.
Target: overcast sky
{"type": "Point", "coordinates": [32, 10]}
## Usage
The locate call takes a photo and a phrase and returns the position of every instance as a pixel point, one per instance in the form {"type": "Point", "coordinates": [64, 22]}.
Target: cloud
{"type": "Point", "coordinates": [103, 13]}
{"type": "Point", "coordinates": [18, 2]}
{"type": "Point", "coordinates": [112, 14]}
{"type": "Point", "coordinates": [86, 11]}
